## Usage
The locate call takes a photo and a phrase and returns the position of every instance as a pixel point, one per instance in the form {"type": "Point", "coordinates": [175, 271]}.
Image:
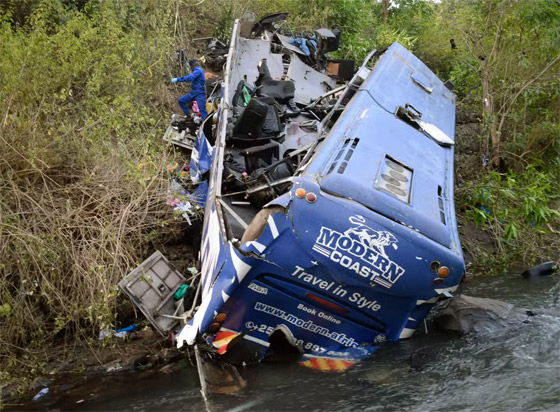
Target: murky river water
{"type": "Point", "coordinates": [511, 369]}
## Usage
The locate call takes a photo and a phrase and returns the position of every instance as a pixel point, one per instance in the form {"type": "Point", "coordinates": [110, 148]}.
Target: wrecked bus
{"type": "Point", "coordinates": [329, 223]}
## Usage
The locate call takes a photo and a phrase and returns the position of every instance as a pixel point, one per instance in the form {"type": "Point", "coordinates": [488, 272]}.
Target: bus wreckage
{"type": "Point", "coordinates": [329, 222]}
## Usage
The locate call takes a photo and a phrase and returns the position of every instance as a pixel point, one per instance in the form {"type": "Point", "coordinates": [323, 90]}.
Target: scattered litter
{"type": "Point", "coordinates": [130, 328]}
{"type": "Point", "coordinates": [120, 333]}
{"type": "Point", "coordinates": [41, 394]}
{"type": "Point", "coordinates": [180, 294]}
{"type": "Point", "coordinates": [114, 368]}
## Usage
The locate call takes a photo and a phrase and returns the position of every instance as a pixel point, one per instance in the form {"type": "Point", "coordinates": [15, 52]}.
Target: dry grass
{"type": "Point", "coordinates": [67, 236]}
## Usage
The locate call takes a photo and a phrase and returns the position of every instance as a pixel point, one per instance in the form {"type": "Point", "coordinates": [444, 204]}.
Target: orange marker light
{"type": "Point", "coordinates": [214, 327]}
{"type": "Point", "coordinates": [300, 192]}
{"type": "Point", "coordinates": [311, 197]}
{"type": "Point", "coordinates": [220, 317]}
{"type": "Point", "coordinates": [443, 271]}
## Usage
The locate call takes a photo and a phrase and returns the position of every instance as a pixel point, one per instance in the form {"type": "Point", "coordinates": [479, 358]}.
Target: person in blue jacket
{"type": "Point", "coordinates": [198, 89]}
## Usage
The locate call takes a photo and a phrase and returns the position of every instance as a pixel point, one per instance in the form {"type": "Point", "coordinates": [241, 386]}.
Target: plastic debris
{"type": "Point", "coordinates": [130, 328]}
{"type": "Point", "coordinates": [41, 394]}
{"type": "Point", "coordinates": [120, 333]}
{"type": "Point", "coordinates": [180, 294]}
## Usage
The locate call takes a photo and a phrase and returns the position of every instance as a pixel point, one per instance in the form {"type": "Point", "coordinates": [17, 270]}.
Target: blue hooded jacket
{"type": "Point", "coordinates": [197, 80]}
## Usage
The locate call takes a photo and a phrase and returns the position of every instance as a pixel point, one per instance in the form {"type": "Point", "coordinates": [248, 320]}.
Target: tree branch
{"type": "Point", "coordinates": [511, 101]}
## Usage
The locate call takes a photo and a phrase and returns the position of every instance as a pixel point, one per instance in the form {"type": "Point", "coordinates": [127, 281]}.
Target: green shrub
{"type": "Point", "coordinates": [81, 88]}
{"type": "Point", "coordinates": [518, 209]}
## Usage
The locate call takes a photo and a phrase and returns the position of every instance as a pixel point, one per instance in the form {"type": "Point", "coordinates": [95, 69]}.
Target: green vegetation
{"type": "Point", "coordinates": [81, 195]}
{"type": "Point", "coordinates": [84, 100]}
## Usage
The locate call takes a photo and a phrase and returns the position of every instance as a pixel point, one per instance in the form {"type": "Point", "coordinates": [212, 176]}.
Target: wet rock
{"type": "Point", "coordinates": [9, 390]}
{"type": "Point", "coordinates": [144, 362]}
{"type": "Point", "coordinates": [169, 355]}
{"type": "Point", "coordinates": [39, 383]}
{"type": "Point", "coordinates": [113, 367]}
{"type": "Point", "coordinates": [167, 368]}
{"type": "Point", "coordinates": [98, 370]}
{"type": "Point", "coordinates": [466, 314]}
{"type": "Point", "coordinates": [58, 367]}
{"type": "Point", "coordinates": [384, 375]}
{"type": "Point", "coordinates": [71, 385]}
{"type": "Point", "coordinates": [146, 333]}
{"type": "Point", "coordinates": [111, 357]}
{"type": "Point", "coordinates": [422, 358]}
{"type": "Point", "coordinates": [544, 269]}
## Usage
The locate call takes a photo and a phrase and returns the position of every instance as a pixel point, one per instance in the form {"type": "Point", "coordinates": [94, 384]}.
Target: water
{"type": "Point", "coordinates": [511, 369]}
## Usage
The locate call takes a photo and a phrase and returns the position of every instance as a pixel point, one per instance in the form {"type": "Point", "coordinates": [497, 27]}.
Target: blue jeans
{"type": "Point", "coordinates": [200, 100]}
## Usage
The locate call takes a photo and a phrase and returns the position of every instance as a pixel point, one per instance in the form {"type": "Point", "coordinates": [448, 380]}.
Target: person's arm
{"type": "Point", "coordinates": [190, 77]}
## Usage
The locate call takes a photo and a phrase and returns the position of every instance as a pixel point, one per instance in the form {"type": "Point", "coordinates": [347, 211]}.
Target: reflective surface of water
{"type": "Point", "coordinates": [511, 369]}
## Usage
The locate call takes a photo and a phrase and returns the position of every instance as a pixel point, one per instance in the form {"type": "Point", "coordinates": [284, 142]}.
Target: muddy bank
{"type": "Point", "coordinates": [72, 367]}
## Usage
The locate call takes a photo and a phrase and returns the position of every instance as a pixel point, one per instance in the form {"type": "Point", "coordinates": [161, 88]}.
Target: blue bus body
{"type": "Point", "coordinates": [362, 244]}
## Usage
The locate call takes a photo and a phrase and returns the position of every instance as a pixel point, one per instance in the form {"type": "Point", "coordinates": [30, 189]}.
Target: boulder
{"type": "Point", "coordinates": [466, 314]}
{"type": "Point", "coordinates": [544, 269]}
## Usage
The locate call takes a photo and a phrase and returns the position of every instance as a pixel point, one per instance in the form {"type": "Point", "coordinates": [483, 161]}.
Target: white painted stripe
{"type": "Point", "coordinates": [251, 338]}
{"type": "Point", "coordinates": [225, 296]}
{"type": "Point", "coordinates": [412, 319]}
{"type": "Point", "coordinates": [382, 282]}
{"type": "Point", "coordinates": [241, 268]}
{"type": "Point", "coordinates": [259, 246]}
{"type": "Point", "coordinates": [273, 228]}
{"type": "Point", "coordinates": [406, 333]}
{"type": "Point", "coordinates": [257, 340]}
{"type": "Point", "coordinates": [321, 251]}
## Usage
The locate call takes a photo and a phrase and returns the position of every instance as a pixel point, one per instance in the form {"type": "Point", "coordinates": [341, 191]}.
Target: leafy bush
{"type": "Point", "coordinates": [518, 209]}
{"type": "Point", "coordinates": [80, 103]}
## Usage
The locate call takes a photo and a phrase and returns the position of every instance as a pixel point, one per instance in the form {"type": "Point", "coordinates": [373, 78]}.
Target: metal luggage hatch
{"type": "Point", "coordinates": [151, 287]}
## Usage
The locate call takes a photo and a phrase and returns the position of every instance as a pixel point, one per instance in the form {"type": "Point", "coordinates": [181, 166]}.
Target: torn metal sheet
{"type": "Point", "coordinates": [249, 52]}
{"type": "Point", "coordinates": [181, 139]}
{"type": "Point", "coordinates": [299, 135]}
{"type": "Point", "coordinates": [310, 84]}
{"type": "Point", "coordinates": [285, 42]}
